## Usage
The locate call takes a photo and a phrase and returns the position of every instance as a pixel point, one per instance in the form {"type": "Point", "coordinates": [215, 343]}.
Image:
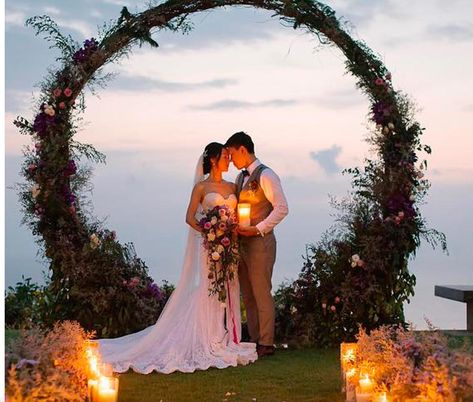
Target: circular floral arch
{"type": "Point", "coordinates": [358, 274]}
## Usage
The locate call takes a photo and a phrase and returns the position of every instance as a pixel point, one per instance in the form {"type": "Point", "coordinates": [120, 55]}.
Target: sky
{"type": "Point", "coordinates": [242, 69]}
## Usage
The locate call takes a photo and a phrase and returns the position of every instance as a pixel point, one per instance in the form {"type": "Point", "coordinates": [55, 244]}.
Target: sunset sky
{"type": "Point", "coordinates": [241, 69]}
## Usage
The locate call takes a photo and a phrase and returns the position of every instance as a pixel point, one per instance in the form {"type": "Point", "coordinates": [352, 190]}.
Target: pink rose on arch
{"type": "Point", "coordinates": [333, 308]}
{"type": "Point", "coordinates": [324, 305]}
{"type": "Point", "coordinates": [207, 225]}
{"type": "Point", "coordinates": [337, 299]}
{"type": "Point", "coordinates": [68, 92]}
{"type": "Point", "coordinates": [225, 241]}
{"type": "Point", "coordinates": [57, 92]}
{"type": "Point", "coordinates": [379, 81]}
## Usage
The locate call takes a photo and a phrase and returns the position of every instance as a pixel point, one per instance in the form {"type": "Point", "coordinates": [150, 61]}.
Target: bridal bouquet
{"type": "Point", "coordinates": [218, 225]}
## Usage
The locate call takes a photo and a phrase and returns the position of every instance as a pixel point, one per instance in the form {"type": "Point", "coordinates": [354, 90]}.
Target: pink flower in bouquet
{"type": "Point", "coordinates": [207, 225]}
{"type": "Point", "coordinates": [57, 92]}
{"type": "Point", "coordinates": [333, 308]}
{"type": "Point", "coordinates": [62, 105]}
{"type": "Point", "coordinates": [214, 220]}
{"type": "Point", "coordinates": [215, 256]}
{"type": "Point", "coordinates": [222, 226]}
{"type": "Point", "coordinates": [231, 221]}
{"type": "Point", "coordinates": [222, 212]}
{"type": "Point", "coordinates": [68, 92]}
{"type": "Point", "coordinates": [400, 214]}
{"type": "Point", "coordinates": [211, 236]}
{"type": "Point", "coordinates": [225, 241]}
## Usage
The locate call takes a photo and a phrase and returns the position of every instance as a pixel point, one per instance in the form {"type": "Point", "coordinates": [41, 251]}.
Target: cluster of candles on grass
{"type": "Point", "coordinates": [357, 382]}
{"type": "Point", "coordinates": [102, 386]}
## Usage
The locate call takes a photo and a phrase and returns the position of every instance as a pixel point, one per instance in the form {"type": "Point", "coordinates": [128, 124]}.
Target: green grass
{"type": "Point", "coordinates": [11, 334]}
{"type": "Point", "coordinates": [289, 375]}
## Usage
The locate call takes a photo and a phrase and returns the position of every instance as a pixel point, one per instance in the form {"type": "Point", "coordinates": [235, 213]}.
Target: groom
{"type": "Point", "coordinates": [259, 186]}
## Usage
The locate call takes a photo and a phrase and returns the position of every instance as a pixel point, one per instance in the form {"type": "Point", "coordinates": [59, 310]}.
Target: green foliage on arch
{"type": "Point", "coordinates": [358, 273]}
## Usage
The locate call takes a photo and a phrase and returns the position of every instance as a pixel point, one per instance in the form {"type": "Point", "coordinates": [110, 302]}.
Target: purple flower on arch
{"type": "Point", "coordinates": [70, 169]}
{"type": "Point", "coordinates": [381, 112]}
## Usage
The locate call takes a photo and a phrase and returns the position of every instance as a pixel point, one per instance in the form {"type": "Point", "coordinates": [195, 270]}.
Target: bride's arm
{"type": "Point", "coordinates": [196, 196]}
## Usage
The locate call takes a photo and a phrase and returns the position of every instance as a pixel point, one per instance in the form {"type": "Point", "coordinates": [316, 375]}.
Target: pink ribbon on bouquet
{"type": "Point", "coordinates": [232, 316]}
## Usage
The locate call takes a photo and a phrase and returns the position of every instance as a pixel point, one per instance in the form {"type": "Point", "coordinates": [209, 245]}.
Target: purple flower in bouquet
{"type": "Point", "coordinates": [70, 169]}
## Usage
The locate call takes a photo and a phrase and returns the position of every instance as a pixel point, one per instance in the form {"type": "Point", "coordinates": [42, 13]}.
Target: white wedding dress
{"type": "Point", "coordinates": [190, 334]}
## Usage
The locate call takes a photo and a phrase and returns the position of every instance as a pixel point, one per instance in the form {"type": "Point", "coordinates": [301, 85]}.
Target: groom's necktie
{"type": "Point", "coordinates": [245, 173]}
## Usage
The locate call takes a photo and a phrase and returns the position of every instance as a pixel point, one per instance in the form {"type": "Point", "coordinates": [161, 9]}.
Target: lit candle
{"type": "Point", "coordinates": [107, 389]}
{"type": "Point", "coordinates": [92, 388]}
{"type": "Point", "coordinates": [364, 393]}
{"type": "Point", "coordinates": [382, 397]}
{"type": "Point", "coordinates": [350, 385]}
{"type": "Point", "coordinates": [244, 210]}
{"type": "Point", "coordinates": [366, 385]}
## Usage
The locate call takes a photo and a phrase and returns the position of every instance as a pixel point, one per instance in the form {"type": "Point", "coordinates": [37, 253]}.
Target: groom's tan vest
{"type": "Point", "coordinates": [253, 194]}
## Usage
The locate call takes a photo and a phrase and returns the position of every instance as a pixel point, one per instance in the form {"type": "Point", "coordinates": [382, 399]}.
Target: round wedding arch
{"type": "Point", "coordinates": [355, 275]}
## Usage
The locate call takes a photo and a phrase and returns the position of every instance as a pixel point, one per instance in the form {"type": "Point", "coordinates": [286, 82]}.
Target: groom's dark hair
{"type": "Point", "coordinates": [241, 139]}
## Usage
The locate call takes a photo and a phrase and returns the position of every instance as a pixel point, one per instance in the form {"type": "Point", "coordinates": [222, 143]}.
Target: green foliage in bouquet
{"type": "Point", "coordinates": [381, 223]}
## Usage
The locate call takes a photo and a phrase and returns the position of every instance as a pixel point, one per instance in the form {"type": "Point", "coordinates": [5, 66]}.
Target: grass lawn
{"type": "Point", "coordinates": [289, 375]}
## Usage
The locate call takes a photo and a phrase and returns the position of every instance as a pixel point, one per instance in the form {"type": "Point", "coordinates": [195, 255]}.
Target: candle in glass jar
{"type": "Point", "coordinates": [244, 210]}
{"type": "Point", "coordinates": [107, 389]}
{"type": "Point", "coordinates": [382, 397]}
{"type": "Point", "coordinates": [92, 388]}
{"type": "Point", "coordinates": [366, 385]}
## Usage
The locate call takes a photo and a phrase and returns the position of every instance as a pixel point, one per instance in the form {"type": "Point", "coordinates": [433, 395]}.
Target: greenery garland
{"type": "Point", "coordinates": [356, 274]}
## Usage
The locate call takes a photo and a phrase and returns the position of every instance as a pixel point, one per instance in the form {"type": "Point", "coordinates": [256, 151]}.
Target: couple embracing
{"type": "Point", "coordinates": [196, 330]}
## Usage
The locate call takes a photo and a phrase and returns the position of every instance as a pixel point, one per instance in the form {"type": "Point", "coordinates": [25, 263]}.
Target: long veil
{"type": "Point", "coordinates": [123, 351]}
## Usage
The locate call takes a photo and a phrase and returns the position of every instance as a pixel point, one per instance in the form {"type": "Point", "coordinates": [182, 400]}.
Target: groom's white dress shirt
{"type": "Point", "coordinates": [271, 186]}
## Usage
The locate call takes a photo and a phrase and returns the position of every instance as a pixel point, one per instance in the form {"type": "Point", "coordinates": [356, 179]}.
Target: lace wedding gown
{"type": "Point", "coordinates": [190, 334]}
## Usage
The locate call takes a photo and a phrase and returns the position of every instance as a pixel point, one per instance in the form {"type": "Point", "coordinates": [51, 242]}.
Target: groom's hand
{"type": "Point", "coordinates": [248, 231]}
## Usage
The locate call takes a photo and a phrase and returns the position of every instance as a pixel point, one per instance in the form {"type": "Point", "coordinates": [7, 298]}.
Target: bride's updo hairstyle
{"type": "Point", "coordinates": [213, 150]}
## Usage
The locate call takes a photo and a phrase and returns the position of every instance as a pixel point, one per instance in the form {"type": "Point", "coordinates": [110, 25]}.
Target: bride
{"type": "Point", "coordinates": [195, 331]}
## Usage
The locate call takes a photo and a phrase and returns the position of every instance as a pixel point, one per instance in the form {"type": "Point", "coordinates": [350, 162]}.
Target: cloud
{"type": "Point", "coordinates": [221, 27]}
{"type": "Point", "coordinates": [468, 108]}
{"type": "Point", "coordinates": [450, 32]}
{"type": "Point", "coordinates": [52, 10]}
{"type": "Point", "coordinates": [230, 104]}
{"type": "Point", "coordinates": [14, 18]}
{"type": "Point", "coordinates": [340, 99]}
{"type": "Point", "coordinates": [361, 12]}
{"type": "Point", "coordinates": [134, 83]}
{"type": "Point", "coordinates": [83, 27]}
{"type": "Point", "coordinates": [326, 158]}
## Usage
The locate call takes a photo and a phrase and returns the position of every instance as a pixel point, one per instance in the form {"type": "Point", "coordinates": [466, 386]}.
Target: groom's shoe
{"type": "Point", "coordinates": [263, 350]}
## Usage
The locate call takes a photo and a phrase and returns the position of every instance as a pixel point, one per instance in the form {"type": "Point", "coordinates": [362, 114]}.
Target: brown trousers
{"type": "Point", "coordinates": [258, 255]}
